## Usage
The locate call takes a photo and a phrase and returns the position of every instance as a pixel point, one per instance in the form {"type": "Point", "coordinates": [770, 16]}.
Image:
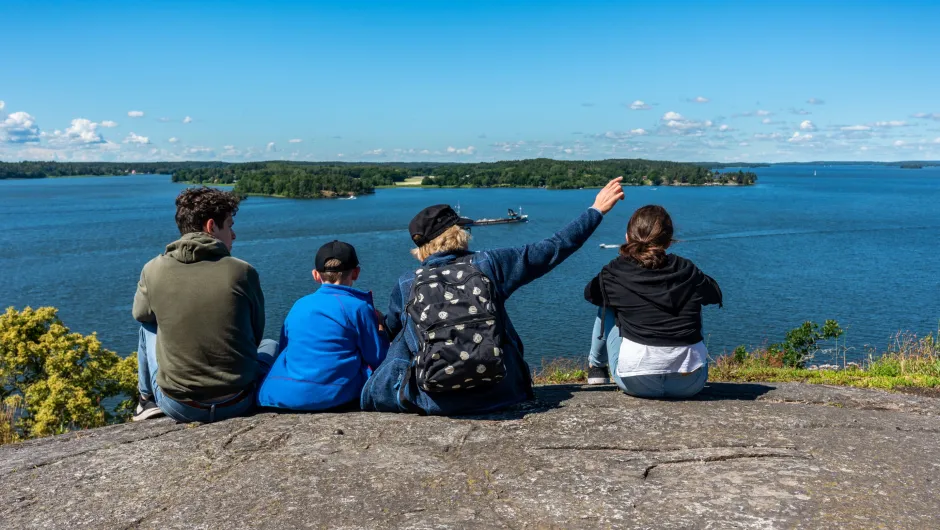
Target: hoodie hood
{"type": "Point", "coordinates": [668, 288]}
{"type": "Point", "coordinates": [196, 246]}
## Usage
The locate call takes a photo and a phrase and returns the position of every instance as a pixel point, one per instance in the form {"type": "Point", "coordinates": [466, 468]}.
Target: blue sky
{"type": "Point", "coordinates": [469, 81]}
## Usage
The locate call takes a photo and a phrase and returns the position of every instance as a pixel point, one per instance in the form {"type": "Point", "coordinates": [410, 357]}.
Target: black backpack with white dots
{"type": "Point", "coordinates": [458, 328]}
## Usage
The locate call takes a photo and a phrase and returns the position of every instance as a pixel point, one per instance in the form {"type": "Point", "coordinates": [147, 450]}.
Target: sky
{"type": "Point", "coordinates": [465, 81]}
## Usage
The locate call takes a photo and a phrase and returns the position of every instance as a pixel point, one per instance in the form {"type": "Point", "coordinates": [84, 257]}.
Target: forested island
{"type": "Point", "coordinates": [306, 180]}
{"type": "Point", "coordinates": [41, 170]}
{"type": "Point", "coordinates": [338, 179]}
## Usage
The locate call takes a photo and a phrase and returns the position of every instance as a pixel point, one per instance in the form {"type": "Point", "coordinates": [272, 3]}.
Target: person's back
{"type": "Point", "coordinates": [330, 342]}
{"type": "Point", "coordinates": [202, 318]}
{"type": "Point", "coordinates": [651, 306]}
{"type": "Point", "coordinates": [440, 241]}
{"type": "Point", "coordinates": [210, 311]}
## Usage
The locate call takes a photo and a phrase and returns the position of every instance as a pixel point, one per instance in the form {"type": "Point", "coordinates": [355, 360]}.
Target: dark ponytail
{"type": "Point", "coordinates": [649, 234]}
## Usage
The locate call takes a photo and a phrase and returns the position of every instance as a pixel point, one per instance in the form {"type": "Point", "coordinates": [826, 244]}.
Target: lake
{"type": "Point", "coordinates": [856, 243]}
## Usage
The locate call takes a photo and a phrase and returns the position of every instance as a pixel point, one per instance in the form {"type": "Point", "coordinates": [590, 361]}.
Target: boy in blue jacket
{"type": "Point", "coordinates": [331, 340]}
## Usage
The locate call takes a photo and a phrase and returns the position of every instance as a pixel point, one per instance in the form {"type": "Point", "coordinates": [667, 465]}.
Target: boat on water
{"type": "Point", "coordinates": [351, 198]}
{"type": "Point", "coordinates": [511, 217]}
{"type": "Point", "coordinates": [606, 245]}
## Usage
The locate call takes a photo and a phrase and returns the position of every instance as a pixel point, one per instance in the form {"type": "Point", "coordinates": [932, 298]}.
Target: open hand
{"type": "Point", "coordinates": [609, 196]}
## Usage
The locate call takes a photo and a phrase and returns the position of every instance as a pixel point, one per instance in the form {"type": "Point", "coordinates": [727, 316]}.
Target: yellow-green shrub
{"type": "Point", "coordinates": [58, 380]}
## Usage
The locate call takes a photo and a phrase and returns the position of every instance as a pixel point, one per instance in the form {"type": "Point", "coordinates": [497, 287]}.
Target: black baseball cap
{"type": "Point", "coordinates": [344, 252]}
{"type": "Point", "coordinates": [432, 222]}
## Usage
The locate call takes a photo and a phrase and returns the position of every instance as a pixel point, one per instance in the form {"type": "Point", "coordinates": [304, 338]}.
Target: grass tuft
{"type": "Point", "coordinates": [560, 372]}
{"type": "Point", "coordinates": [910, 362]}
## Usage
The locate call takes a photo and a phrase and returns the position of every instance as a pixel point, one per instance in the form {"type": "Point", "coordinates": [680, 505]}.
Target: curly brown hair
{"type": "Point", "coordinates": [195, 206]}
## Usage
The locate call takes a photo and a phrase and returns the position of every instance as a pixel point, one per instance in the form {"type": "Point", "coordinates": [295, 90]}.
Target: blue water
{"type": "Point", "coordinates": [856, 243]}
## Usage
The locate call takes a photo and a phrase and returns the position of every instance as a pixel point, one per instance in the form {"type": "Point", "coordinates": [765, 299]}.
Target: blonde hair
{"type": "Point", "coordinates": [454, 238]}
{"type": "Point", "coordinates": [335, 277]}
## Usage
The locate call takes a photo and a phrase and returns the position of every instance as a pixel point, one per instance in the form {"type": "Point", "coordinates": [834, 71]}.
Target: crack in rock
{"type": "Point", "coordinates": [722, 458]}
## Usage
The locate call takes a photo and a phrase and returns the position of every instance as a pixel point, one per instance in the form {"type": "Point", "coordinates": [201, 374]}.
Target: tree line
{"type": "Point", "coordinates": [337, 179]}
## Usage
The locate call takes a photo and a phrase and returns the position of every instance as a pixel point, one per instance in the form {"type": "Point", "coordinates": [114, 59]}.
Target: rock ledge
{"type": "Point", "coordinates": [738, 456]}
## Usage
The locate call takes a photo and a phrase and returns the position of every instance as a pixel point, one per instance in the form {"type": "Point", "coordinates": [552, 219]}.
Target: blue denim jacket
{"type": "Point", "coordinates": [509, 269]}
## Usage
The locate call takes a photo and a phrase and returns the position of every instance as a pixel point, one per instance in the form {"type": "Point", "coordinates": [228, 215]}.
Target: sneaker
{"type": "Point", "coordinates": [597, 375]}
{"type": "Point", "coordinates": [146, 408]}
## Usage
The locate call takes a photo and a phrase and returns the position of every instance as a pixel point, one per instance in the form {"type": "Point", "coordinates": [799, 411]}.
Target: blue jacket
{"type": "Point", "coordinates": [329, 345]}
{"type": "Point", "coordinates": [509, 269]}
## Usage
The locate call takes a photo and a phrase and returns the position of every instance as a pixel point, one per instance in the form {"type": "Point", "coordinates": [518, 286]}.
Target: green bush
{"type": "Point", "coordinates": [55, 380]}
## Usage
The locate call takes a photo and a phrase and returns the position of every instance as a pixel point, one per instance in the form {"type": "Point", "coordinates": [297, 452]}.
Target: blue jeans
{"type": "Point", "coordinates": [181, 412]}
{"type": "Point", "coordinates": [606, 352]}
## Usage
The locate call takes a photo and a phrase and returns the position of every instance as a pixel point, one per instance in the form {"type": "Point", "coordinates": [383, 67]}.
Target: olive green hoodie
{"type": "Point", "coordinates": [209, 311]}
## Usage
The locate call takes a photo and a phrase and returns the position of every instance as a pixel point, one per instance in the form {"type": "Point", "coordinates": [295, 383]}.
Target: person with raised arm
{"type": "Point", "coordinates": [455, 349]}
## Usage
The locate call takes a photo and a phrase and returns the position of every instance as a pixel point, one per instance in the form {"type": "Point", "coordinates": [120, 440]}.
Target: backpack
{"type": "Point", "coordinates": [458, 328]}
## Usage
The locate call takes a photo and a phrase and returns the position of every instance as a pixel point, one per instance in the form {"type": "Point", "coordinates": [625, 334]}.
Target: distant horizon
{"type": "Point", "coordinates": [932, 163]}
{"type": "Point", "coordinates": [470, 81]}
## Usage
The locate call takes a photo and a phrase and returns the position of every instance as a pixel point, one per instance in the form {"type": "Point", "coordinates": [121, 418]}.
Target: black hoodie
{"type": "Point", "coordinates": [655, 307]}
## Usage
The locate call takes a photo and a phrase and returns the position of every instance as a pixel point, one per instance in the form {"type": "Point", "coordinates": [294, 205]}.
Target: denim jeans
{"type": "Point", "coordinates": [605, 351]}
{"type": "Point", "coordinates": [181, 412]}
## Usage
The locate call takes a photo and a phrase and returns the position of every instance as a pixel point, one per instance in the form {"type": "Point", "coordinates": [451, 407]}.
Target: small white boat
{"type": "Point", "coordinates": [351, 198]}
{"type": "Point", "coordinates": [605, 245]}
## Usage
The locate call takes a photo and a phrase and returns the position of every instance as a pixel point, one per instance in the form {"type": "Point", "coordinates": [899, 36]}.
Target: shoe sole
{"type": "Point", "coordinates": [598, 380]}
{"type": "Point", "coordinates": [147, 414]}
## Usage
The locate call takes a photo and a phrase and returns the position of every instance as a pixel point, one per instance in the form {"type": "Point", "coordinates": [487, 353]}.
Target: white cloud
{"type": "Point", "coordinates": [767, 121]}
{"type": "Point", "coordinates": [682, 125]}
{"type": "Point", "coordinates": [815, 101]}
{"type": "Point", "coordinates": [173, 140]}
{"type": "Point", "coordinates": [807, 126]}
{"type": "Point", "coordinates": [18, 127]}
{"type": "Point", "coordinates": [798, 138]}
{"type": "Point", "coordinates": [135, 114]}
{"type": "Point", "coordinates": [2, 104]}
{"type": "Point", "coordinates": [801, 112]}
{"type": "Point", "coordinates": [743, 144]}
{"type": "Point", "coordinates": [899, 143]}
{"type": "Point", "coordinates": [638, 132]}
{"type": "Point", "coordinates": [199, 151]}
{"type": "Point", "coordinates": [763, 113]}
{"type": "Point", "coordinates": [108, 124]}
{"type": "Point", "coordinates": [187, 119]}
{"type": "Point", "coordinates": [893, 123]}
{"type": "Point", "coordinates": [375, 152]}
{"type": "Point", "coordinates": [295, 140]}
{"type": "Point", "coordinates": [83, 131]}
{"type": "Point", "coordinates": [639, 105]}
{"type": "Point", "coordinates": [856, 128]}
{"type": "Point", "coordinates": [920, 115]}
{"type": "Point", "coordinates": [700, 99]}
{"type": "Point", "coordinates": [725, 128]}
{"type": "Point", "coordinates": [133, 138]}
{"type": "Point", "coordinates": [469, 150]}
{"type": "Point", "coordinates": [936, 140]}
{"type": "Point", "coordinates": [271, 148]}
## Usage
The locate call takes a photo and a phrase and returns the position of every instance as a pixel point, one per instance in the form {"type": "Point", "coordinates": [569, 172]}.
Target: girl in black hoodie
{"type": "Point", "coordinates": [651, 306]}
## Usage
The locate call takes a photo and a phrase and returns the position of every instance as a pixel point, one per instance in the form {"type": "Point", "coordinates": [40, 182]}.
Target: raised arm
{"type": "Point", "coordinates": [515, 267]}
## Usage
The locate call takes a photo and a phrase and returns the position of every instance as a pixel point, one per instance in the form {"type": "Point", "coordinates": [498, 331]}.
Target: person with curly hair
{"type": "Point", "coordinates": [201, 311]}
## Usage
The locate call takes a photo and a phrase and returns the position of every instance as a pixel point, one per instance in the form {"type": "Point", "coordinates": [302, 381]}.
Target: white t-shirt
{"type": "Point", "coordinates": [638, 359]}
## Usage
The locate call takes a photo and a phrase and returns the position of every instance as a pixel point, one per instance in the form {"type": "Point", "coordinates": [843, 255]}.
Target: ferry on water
{"type": "Point", "coordinates": [512, 217]}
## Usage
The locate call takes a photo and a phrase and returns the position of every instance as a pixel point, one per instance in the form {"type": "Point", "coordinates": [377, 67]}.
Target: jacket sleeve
{"type": "Point", "coordinates": [394, 320]}
{"type": "Point", "coordinates": [710, 292]}
{"type": "Point", "coordinates": [142, 311]}
{"type": "Point", "coordinates": [256, 299]}
{"type": "Point", "coordinates": [592, 292]}
{"type": "Point", "coordinates": [515, 267]}
{"type": "Point", "coordinates": [373, 344]}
